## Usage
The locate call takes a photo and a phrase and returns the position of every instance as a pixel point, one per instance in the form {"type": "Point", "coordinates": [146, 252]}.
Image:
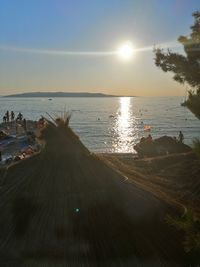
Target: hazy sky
{"type": "Point", "coordinates": [28, 27]}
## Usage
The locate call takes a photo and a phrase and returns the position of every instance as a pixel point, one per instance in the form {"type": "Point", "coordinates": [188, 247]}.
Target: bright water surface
{"type": "Point", "coordinates": [113, 124]}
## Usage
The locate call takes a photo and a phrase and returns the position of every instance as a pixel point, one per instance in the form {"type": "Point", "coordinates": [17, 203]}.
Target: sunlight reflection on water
{"type": "Point", "coordinates": [112, 124]}
{"type": "Point", "coordinates": [125, 127]}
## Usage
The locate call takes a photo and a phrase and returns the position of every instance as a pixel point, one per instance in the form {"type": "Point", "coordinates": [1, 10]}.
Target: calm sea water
{"type": "Point", "coordinates": [113, 124]}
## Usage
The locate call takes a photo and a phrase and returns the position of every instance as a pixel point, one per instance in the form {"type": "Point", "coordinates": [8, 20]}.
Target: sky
{"type": "Point", "coordinates": [29, 28]}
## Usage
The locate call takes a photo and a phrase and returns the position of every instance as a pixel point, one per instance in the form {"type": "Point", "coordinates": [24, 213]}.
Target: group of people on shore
{"type": "Point", "coordinates": [17, 124]}
{"type": "Point", "coordinates": [10, 116]}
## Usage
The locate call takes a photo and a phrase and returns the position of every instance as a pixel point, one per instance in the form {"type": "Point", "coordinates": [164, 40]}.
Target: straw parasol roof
{"type": "Point", "coordinates": [65, 207]}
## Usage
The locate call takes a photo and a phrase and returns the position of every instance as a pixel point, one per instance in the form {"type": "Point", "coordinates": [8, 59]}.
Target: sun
{"type": "Point", "coordinates": [126, 51]}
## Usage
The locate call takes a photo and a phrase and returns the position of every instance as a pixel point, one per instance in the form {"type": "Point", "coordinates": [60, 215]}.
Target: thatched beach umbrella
{"type": "Point", "coordinates": [65, 207]}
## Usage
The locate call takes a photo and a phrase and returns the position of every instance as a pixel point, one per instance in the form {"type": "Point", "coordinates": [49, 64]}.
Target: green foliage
{"type": "Point", "coordinates": [193, 103]}
{"type": "Point", "coordinates": [186, 68]}
{"type": "Point", "coordinates": [196, 146]}
{"type": "Point", "coordinates": [190, 225]}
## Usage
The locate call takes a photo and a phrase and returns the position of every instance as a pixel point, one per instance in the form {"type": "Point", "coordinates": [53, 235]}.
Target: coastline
{"type": "Point", "coordinates": [100, 121]}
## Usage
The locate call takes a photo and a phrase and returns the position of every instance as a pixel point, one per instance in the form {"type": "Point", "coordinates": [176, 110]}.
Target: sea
{"type": "Point", "coordinates": [112, 124]}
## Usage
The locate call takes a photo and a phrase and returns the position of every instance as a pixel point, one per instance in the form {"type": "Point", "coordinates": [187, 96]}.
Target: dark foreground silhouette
{"type": "Point", "coordinates": [65, 207]}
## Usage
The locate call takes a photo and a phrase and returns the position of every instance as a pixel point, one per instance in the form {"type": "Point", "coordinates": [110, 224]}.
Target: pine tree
{"type": "Point", "coordinates": [186, 68]}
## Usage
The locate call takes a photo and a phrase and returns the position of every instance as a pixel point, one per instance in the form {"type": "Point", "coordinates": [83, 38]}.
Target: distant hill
{"type": "Point", "coordinates": [60, 94]}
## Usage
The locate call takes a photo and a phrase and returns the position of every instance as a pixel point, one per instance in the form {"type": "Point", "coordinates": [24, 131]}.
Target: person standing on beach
{"type": "Point", "coordinates": [4, 119]}
{"type": "Point", "coordinates": [19, 117]}
{"type": "Point", "coordinates": [7, 116]}
{"type": "Point", "coordinates": [12, 115]}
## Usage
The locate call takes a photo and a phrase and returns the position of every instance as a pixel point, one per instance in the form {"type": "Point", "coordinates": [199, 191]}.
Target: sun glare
{"type": "Point", "coordinates": [126, 51]}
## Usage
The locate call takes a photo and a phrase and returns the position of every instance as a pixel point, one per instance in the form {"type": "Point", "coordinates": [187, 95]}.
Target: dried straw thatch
{"type": "Point", "coordinates": [65, 207]}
